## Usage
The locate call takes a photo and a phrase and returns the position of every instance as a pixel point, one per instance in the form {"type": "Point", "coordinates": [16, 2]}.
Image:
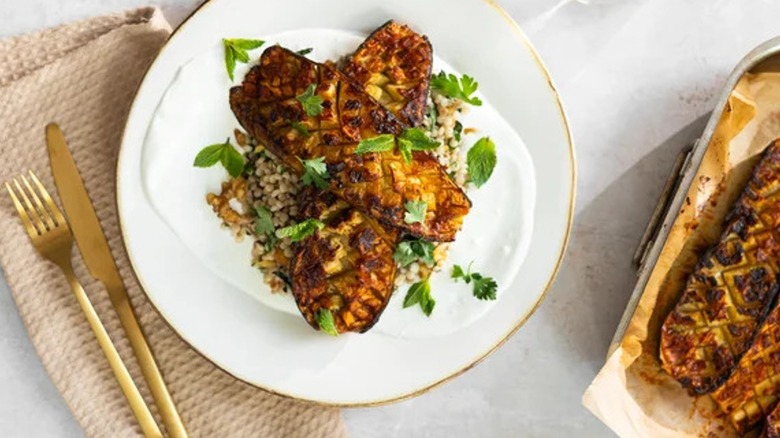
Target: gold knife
{"type": "Point", "coordinates": [97, 256]}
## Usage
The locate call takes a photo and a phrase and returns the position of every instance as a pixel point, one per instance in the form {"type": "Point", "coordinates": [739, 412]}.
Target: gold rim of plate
{"type": "Point", "coordinates": [551, 278]}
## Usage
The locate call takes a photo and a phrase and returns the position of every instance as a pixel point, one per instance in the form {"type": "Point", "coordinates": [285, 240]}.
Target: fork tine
{"type": "Point", "coordinates": [34, 218]}
{"type": "Point", "coordinates": [49, 202]}
{"type": "Point", "coordinates": [41, 209]}
{"type": "Point", "coordinates": [31, 230]}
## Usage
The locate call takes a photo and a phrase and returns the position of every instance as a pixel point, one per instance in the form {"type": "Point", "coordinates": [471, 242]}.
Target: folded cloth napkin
{"type": "Point", "coordinates": [84, 76]}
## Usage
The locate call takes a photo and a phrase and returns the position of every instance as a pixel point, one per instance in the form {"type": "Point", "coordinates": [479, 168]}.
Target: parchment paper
{"type": "Point", "coordinates": [631, 393]}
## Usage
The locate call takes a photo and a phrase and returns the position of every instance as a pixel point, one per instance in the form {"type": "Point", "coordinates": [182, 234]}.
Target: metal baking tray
{"type": "Point", "coordinates": [765, 57]}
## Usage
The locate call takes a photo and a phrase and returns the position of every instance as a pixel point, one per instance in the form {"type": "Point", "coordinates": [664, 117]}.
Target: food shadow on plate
{"type": "Point", "coordinates": [597, 276]}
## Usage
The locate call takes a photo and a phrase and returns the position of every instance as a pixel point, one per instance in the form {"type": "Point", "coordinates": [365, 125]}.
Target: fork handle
{"type": "Point", "coordinates": [137, 403]}
{"type": "Point", "coordinates": [143, 354]}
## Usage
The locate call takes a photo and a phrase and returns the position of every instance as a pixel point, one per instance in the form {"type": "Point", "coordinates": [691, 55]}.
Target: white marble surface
{"type": "Point", "coordinates": [632, 74]}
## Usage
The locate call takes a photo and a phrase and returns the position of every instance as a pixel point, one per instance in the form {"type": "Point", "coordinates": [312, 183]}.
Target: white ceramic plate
{"type": "Point", "coordinates": [200, 280]}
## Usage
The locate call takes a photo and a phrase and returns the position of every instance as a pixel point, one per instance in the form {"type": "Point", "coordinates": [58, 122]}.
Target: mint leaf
{"type": "Point", "coordinates": [225, 153]}
{"type": "Point", "coordinates": [420, 293]}
{"type": "Point", "coordinates": [245, 44]}
{"type": "Point", "coordinates": [301, 129]}
{"type": "Point", "coordinates": [326, 322]}
{"type": "Point", "coordinates": [312, 104]}
{"type": "Point", "coordinates": [315, 172]}
{"type": "Point", "coordinates": [450, 86]}
{"type": "Point", "coordinates": [380, 143]}
{"type": "Point", "coordinates": [415, 211]}
{"type": "Point", "coordinates": [264, 225]}
{"type": "Point", "coordinates": [409, 251]}
{"type": "Point", "coordinates": [301, 230]}
{"type": "Point", "coordinates": [209, 156]}
{"type": "Point", "coordinates": [481, 160]}
{"type": "Point", "coordinates": [236, 50]}
{"type": "Point", "coordinates": [232, 161]}
{"type": "Point", "coordinates": [415, 139]}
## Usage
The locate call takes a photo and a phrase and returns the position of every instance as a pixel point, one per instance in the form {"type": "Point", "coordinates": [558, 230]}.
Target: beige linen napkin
{"type": "Point", "coordinates": [84, 76]}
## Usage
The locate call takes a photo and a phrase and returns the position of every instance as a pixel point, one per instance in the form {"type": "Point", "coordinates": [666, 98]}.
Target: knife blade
{"type": "Point", "coordinates": [93, 245]}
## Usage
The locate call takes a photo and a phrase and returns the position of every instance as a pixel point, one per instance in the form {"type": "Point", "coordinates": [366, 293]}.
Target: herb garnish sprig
{"type": "Point", "coordinates": [311, 102]}
{"type": "Point", "coordinates": [481, 160]}
{"type": "Point", "coordinates": [225, 153]}
{"type": "Point", "coordinates": [301, 230]}
{"type": "Point", "coordinates": [236, 51]}
{"type": "Point", "coordinates": [484, 288]}
{"type": "Point", "coordinates": [420, 293]}
{"type": "Point", "coordinates": [450, 86]}
{"type": "Point", "coordinates": [315, 172]}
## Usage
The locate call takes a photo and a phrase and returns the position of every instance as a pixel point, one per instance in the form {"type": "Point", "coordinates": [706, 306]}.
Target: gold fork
{"type": "Point", "coordinates": [51, 236]}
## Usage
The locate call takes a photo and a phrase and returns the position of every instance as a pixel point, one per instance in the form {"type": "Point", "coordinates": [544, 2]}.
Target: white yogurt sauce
{"type": "Point", "coordinates": [195, 112]}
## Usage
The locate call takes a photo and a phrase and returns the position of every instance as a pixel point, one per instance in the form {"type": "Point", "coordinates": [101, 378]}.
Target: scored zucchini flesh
{"type": "Point", "coordinates": [731, 289]}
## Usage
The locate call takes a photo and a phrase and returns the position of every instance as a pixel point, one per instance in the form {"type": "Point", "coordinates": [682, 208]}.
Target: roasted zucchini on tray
{"type": "Point", "coordinates": [752, 390]}
{"type": "Point", "coordinates": [731, 289]}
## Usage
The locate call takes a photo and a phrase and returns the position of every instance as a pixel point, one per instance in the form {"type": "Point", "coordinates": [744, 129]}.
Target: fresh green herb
{"type": "Point", "coordinates": [326, 322]}
{"type": "Point", "coordinates": [481, 160]}
{"type": "Point", "coordinates": [315, 172]}
{"type": "Point", "coordinates": [410, 251]}
{"type": "Point", "coordinates": [305, 51]}
{"type": "Point", "coordinates": [484, 288]}
{"type": "Point", "coordinates": [301, 129]}
{"type": "Point", "coordinates": [301, 230]}
{"type": "Point", "coordinates": [380, 143]}
{"type": "Point", "coordinates": [448, 85]}
{"type": "Point", "coordinates": [236, 51]}
{"type": "Point", "coordinates": [457, 131]}
{"type": "Point", "coordinates": [312, 104]}
{"type": "Point", "coordinates": [420, 293]}
{"type": "Point", "coordinates": [433, 115]}
{"type": "Point", "coordinates": [415, 139]}
{"type": "Point", "coordinates": [415, 211]}
{"type": "Point", "coordinates": [224, 153]}
{"type": "Point", "coordinates": [264, 226]}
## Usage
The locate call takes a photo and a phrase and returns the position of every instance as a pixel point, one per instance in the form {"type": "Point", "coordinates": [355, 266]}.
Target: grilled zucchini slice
{"type": "Point", "coordinates": [731, 289]}
{"type": "Point", "coordinates": [379, 184]}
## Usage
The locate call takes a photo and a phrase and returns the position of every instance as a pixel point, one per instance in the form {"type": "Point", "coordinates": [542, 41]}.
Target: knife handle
{"type": "Point", "coordinates": [154, 379]}
{"type": "Point", "coordinates": [137, 404]}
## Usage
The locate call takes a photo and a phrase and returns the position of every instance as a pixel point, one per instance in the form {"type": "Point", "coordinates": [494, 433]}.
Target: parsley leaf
{"type": "Point", "coordinates": [312, 104]}
{"type": "Point", "coordinates": [305, 51]}
{"type": "Point", "coordinates": [420, 293]}
{"type": "Point", "coordinates": [415, 139]}
{"type": "Point", "coordinates": [484, 288]}
{"type": "Point", "coordinates": [380, 143]}
{"type": "Point", "coordinates": [225, 153]}
{"type": "Point", "coordinates": [301, 230]}
{"type": "Point", "coordinates": [481, 160]}
{"type": "Point", "coordinates": [236, 50]}
{"type": "Point", "coordinates": [410, 251]}
{"type": "Point", "coordinates": [326, 322]}
{"type": "Point", "coordinates": [300, 128]}
{"type": "Point", "coordinates": [315, 172]}
{"type": "Point", "coordinates": [264, 225]}
{"type": "Point", "coordinates": [415, 211]}
{"type": "Point", "coordinates": [457, 131]}
{"type": "Point", "coordinates": [448, 85]}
